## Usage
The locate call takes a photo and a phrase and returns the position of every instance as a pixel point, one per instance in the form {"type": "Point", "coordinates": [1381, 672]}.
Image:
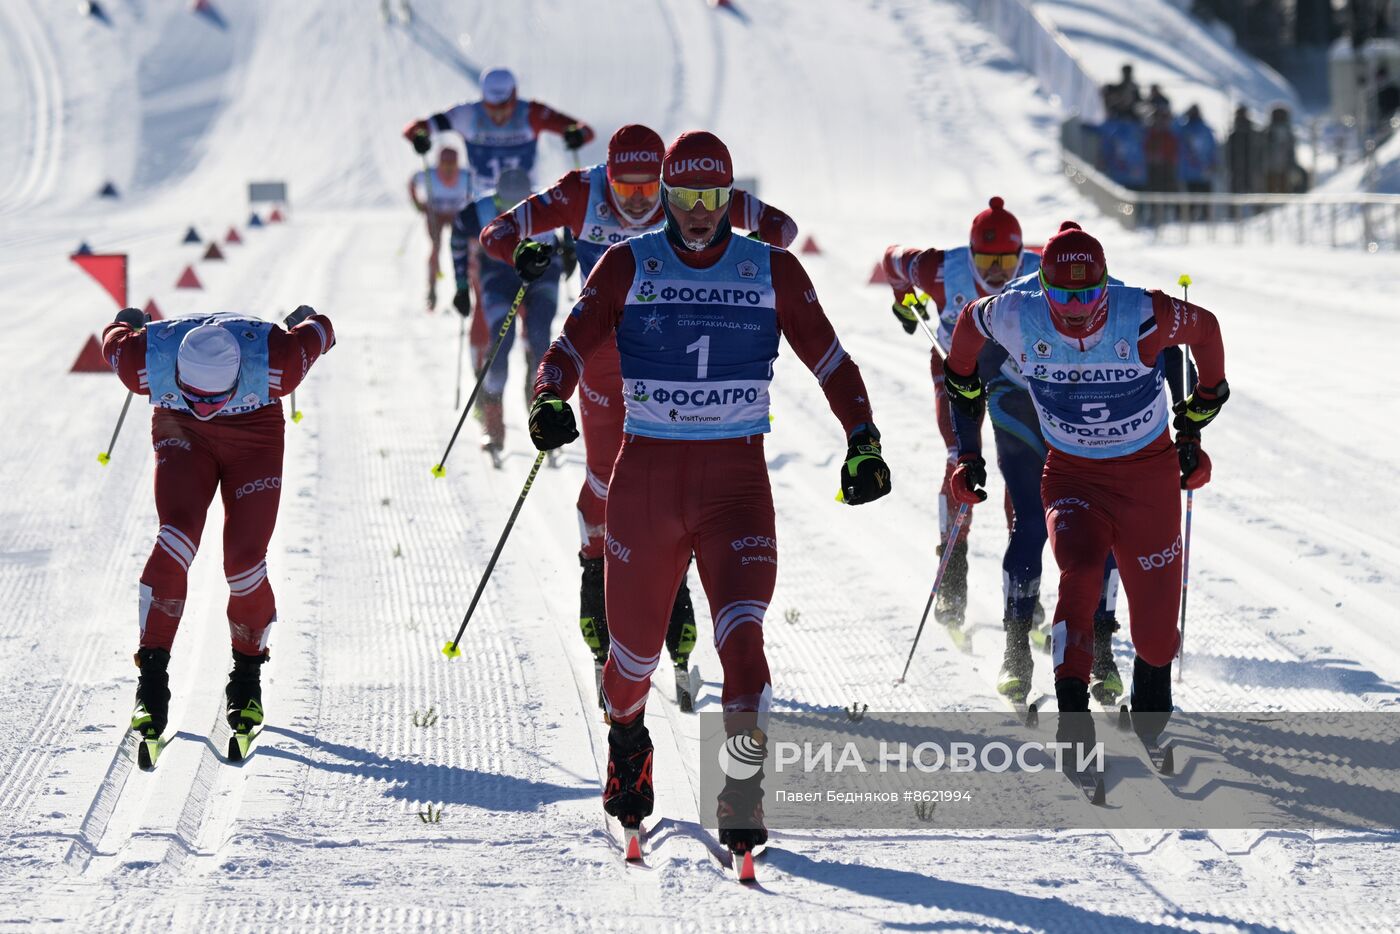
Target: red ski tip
{"type": "Point", "coordinates": [746, 870]}
{"type": "Point", "coordinates": [634, 846]}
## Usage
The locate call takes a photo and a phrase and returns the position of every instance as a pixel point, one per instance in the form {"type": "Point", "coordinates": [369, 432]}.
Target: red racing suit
{"type": "Point", "coordinates": [600, 388]}
{"type": "Point", "coordinates": [672, 494]}
{"type": "Point", "coordinates": [1128, 504]}
{"type": "Point", "coordinates": [238, 455]}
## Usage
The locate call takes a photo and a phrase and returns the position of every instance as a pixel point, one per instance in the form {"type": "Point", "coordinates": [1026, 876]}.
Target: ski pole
{"type": "Point", "coordinates": [106, 456]}
{"type": "Point", "coordinates": [1185, 283]}
{"type": "Point", "coordinates": [461, 338]}
{"type": "Point", "coordinates": [958, 521]}
{"type": "Point", "coordinates": [920, 316]}
{"type": "Point", "coordinates": [452, 649]}
{"type": "Point", "coordinates": [438, 469]}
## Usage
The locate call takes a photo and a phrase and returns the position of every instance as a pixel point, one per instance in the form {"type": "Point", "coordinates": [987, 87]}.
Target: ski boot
{"type": "Point", "coordinates": [593, 617]}
{"type": "Point", "coordinates": [152, 713]}
{"type": "Point", "coordinates": [244, 697]}
{"type": "Point", "coordinates": [1040, 629]}
{"type": "Point", "coordinates": [1075, 727]}
{"type": "Point", "coordinates": [493, 437]}
{"type": "Point", "coordinates": [1105, 684]}
{"type": "Point", "coordinates": [680, 642]}
{"type": "Point", "coordinates": [432, 297]}
{"type": "Point", "coordinates": [1151, 699]}
{"type": "Point", "coordinates": [1017, 664]}
{"type": "Point", "coordinates": [950, 607]}
{"type": "Point", "coordinates": [740, 804]}
{"type": "Point", "coordinates": [629, 795]}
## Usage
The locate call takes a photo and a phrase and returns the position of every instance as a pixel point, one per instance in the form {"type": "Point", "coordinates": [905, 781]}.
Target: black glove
{"type": "Point", "coordinates": [133, 318]}
{"type": "Point", "coordinates": [532, 259]}
{"type": "Point", "coordinates": [462, 301]}
{"type": "Point", "coordinates": [551, 422]}
{"type": "Point", "coordinates": [569, 254]}
{"type": "Point", "coordinates": [573, 137]}
{"type": "Point", "coordinates": [865, 477]}
{"type": "Point", "coordinates": [905, 314]}
{"type": "Point", "coordinates": [422, 142]}
{"type": "Point", "coordinates": [964, 393]}
{"type": "Point", "coordinates": [1199, 409]}
{"type": "Point", "coordinates": [297, 317]}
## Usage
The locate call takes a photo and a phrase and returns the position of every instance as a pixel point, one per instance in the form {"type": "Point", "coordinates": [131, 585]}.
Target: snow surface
{"type": "Point", "coordinates": [871, 122]}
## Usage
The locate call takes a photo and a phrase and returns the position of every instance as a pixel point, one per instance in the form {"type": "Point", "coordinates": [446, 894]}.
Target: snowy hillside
{"type": "Point", "coordinates": [871, 122]}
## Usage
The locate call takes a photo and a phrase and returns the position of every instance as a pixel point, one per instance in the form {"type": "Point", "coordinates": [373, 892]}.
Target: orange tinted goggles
{"type": "Point", "coordinates": [985, 261]}
{"type": "Point", "coordinates": [626, 190]}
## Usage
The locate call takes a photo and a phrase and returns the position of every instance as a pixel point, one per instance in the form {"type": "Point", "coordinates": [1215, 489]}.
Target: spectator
{"type": "Point", "coordinates": [1242, 154]}
{"type": "Point", "coordinates": [1121, 154]}
{"type": "Point", "coordinates": [1196, 165]}
{"type": "Point", "coordinates": [1122, 99]}
{"type": "Point", "coordinates": [1387, 95]}
{"type": "Point", "coordinates": [1156, 100]}
{"type": "Point", "coordinates": [1160, 150]}
{"type": "Point", "coordinates": [1279, 153]}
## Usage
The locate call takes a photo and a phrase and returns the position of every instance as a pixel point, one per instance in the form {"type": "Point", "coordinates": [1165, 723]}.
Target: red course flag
{"type": "Point", "coordinates": [153, 311]}
{"type": "Point", "coordinates": [188, 280]}
{"type": "Point", "coordinates": [877, 275]}
{"type": "Point", "coordinates": [809, 246]}
{"type": "Point", "coordinates": [109, 269]}
{"type": "Point", "coordinates": [275, 217]}
{"type": "Point", "coordinates": [233, 236]}
{"type": "Point", "coordinates": [90, 359]}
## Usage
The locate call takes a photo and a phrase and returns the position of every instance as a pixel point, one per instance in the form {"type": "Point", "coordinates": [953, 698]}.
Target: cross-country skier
{"type": "Point", "coordinates": [438, 194]}
{"type": "Point", "coordinates": [499, 284]}
{"type": "Point", "coordinates": [215, 382]}
{"type": "Point", "coordinates": [994, 256]}
{"type": "Point", "coordinates": [1091, 352]}
{"type": "Point", "coordinates": [602, 205]}
{"type": "Point", "coordinates": [697, 313]}
{"type": "Point", "coordinates": [501, 130]}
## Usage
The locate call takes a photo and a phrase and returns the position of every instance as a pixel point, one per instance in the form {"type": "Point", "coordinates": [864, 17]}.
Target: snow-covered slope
{"type": "Point", "coordinates": [871, 122]}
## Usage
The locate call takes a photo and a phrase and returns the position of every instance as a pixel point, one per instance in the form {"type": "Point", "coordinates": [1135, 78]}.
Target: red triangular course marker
{"type": "Point", "coordinates": [233, 236]}
{"type": "Point", "coordinates": [809, 246]}
{"type": "Point", "coordinates": [213, 252]}
{"type": "Point", "coordinates": [275, 217]}
{"type": "Point", "coordinates": [877, 275]}
{"type": "Point", "coordinates": [109, 269]}
{"type": "Point", "coordinates": [188, 280]}
{"type": "Point", "coordinates": [90, 358]}
{"type": "Point", "coordinates": [153, 311]}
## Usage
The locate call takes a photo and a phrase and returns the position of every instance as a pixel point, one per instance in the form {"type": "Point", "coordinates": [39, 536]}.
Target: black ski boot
{"type": "Point", "coordinates": [950, 607]}
{"type": "Point", "coordinates": [1075, 725]}
{"type": "Point", "coordinates": [1017, 664]}
{"type": "Point", "coordinates": [592, 609]}
{"type": "Point", "coordinates": [680, 642]}
{"type": "Point", "coordinates": [740, 804]}
{"type": "Point", "coordinates": [629, 795]}
{"type": "Point", "coordinates": [1151, 699]}
{"type": "Point", "coordinates": [1105, 684]}
{"type": "Point", "coordinates": [152, 713]}
{"type": "Point", "coordinates": [244, 691]}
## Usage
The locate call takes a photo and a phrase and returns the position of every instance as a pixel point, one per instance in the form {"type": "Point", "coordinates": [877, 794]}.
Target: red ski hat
{"type": "Point", "coordinates": [697, 159]}
{"type": "Point", "coordinates": [995, 230]}
{"type": "Point", "coordinates": [635, 150]}
{"type": "Point", "coordinates": [1072, 259]}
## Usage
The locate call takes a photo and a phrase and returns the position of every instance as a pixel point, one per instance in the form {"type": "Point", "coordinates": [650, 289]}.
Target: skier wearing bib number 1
{"type": "Point", "coordinates": [1091, 352]}
{"type": "Point", "coordinates": [697, 313]}
{"type": "Point", "coordinates": [501, 130]}
{"type": "Point", "coordinates": [603, 205]}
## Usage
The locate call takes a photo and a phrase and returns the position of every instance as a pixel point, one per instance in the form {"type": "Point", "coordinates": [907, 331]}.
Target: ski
{"type": "Point", "coordinates": [148, 751]}
{"type": "Point", "coordinates": [632, 843]}
{"type": "Point", "coordinates": [743, 866]}
{"type": "Point", "coordinates": [1160, 754]}
{"type": "Point", "coordinates": [961, 637]}
{"type": "Point", "coordinates": [240, 744]}
{"type": "Point", "coordinates": [687, 687]}
{"type": "Point", "coordinates": [598, 682]}
{"type": "Point", "coordinates": [1090, 783]}
{"type": "Point", "coordinates": [1026, 710]}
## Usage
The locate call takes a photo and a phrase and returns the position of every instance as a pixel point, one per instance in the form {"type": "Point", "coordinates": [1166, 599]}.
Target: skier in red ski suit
{"type": "Point", "coordinates": [1091, 353]}
{"type": "Point", "coordinates": [215, 382]}
{"type": "Point", "coordinates": [603, 205]}
{"type": "Point", "coordinates": [697, 313]}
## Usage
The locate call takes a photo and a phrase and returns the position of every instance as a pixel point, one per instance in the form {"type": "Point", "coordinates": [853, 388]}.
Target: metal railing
{"type": "Point", "coordinates": [1370, 222]}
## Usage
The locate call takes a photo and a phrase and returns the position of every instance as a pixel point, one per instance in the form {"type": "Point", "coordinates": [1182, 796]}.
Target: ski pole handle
{"type": "Point", "coordinates": [105, 457]}
{"type": "Point", "coordinates": [453, 648]}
